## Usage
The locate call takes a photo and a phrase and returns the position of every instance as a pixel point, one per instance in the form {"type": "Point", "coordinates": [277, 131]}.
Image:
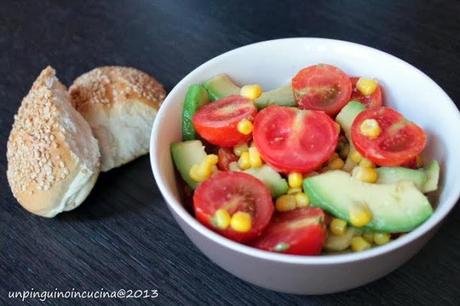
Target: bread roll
{"type": "Point", "coordinates": [120, 105]}
{"type": "Point", "coordinates": [53, 159]}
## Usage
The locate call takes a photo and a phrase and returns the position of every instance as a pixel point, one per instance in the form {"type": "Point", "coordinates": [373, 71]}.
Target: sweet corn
{"type": "Point", "coordinates": [285, 202]}
{"type": "Point", "coordinates": [366, 86]}
{"type": "Point", "coordinates": [370, 128]}
{"type": "Point", "coordinates": [365, 163]}
{"type": "Point", "coordinates": [369, 236]}
{"type": "Point", "coordinates": [295, 180]}
{"type": "Point", "coordinates": [335, 164]}
{"type": "Point", "coordinates": [252, 91]}
{"type": "Point", "coordinates": [221, 219]}
{"type": "Point", "coordinates": [201, 172]}
{"type": "Point", "coordinates": [360, 215]}
{"type": "Point", "coordinates": [244, 162]}
{"type": "Point", "coordinates": [368, 175]}
{"type": "Point", "coordinates": [381, 238]}
{"type": "Point", "coordinates": [359, 244]}
{"type": "Point", "coordinates": [211, 159]}
{"type": "Point", "coordinates": [240, 149]}
{"type": "Point", "coordinates": [241, 222]}
{"type": "Point", "coordinates": [356, 156]}
{"type": "Point", "coordinates": [254, 158]}
{"type": "Point", "coordinates": [301, 200]}
{"type": "Point", "coordinates": [338, 227]}
{"type": "Point", "coordinates": [245, 127]}
{"type": "Point", "coordinates": [294, 190]}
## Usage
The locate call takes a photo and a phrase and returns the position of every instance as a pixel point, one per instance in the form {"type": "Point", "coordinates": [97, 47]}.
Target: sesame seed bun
{"type": "Point", "coordinates": [53, 159]}
{"type": "Point", "coordinates": [120, 104]}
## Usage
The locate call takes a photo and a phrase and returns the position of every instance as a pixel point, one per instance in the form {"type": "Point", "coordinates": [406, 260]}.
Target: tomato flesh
{"type": "Point", "coordinates": [399, 142]}
{"type": "Point", "coordinates": [300, 231]}
{"type": "Point", "coordinates": [226, 156]}
{"type": "Point", "coordinates": [290, 139]}
{"type": "Point", "coordinates": [373, 100]}
{"type": "Point", "coordinates": [217, 122]}
{"type": "Point", "coordinates": [322, 87]}
{"type": "Point", "coordinates": [234, 191]}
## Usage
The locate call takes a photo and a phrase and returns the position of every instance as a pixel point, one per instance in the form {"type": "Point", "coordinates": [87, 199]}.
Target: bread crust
{"type": "Point", "coordinates": [50, 146]}
{"type": "Point", "coordinates": [120, 104]}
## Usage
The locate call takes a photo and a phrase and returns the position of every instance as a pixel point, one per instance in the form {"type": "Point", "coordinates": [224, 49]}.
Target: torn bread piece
{"type": "Point", "coordinates": [53, 158]}
{"type": "Point", "coordinates": [120, 104]}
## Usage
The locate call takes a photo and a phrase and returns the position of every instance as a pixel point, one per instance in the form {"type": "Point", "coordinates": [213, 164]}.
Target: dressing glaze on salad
{"type": "Point", "coordinates": [315, 166]}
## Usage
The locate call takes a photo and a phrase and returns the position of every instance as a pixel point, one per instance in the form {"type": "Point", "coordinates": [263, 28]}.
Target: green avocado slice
{"type": "Point", "coordinates": [283, 96]}
{"type": "Point", "coordinates": [221, 86]}
{"type": "Point", "coordinates": [185, 155]}
{"type": "Point", "coordinates": [395, 208]}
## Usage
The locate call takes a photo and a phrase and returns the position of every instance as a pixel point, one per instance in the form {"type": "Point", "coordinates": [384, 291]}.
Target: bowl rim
{"type": "Point", "coordinates": [179, 210]}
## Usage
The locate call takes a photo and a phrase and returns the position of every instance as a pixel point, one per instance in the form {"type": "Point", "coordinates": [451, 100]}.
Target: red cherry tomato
{"type": "Point", "coordinates": [411, 163]}
{"type": "Point", "coordinates": [399, 142]}
{"type": "Point", "coordinates": [300, 232]}
{"type": "Point", "coordinates": [290, 139]}
{"type": "Point", "coordinates": [217, 122]}
{"type": "Point", "coordinates": [322, 87]}
{"type": "Point", "coordinates": [226, 156]}
{"type": "Point", "coordinates": [234, 191]}
{"type": "Point", "coordinates": [374, 100]}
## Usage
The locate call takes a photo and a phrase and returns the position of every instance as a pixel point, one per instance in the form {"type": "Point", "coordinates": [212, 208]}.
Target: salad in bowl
{"type": "Point", "coordinates": [320, 165]}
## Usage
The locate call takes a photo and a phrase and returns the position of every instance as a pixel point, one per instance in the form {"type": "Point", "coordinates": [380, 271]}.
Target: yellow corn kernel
{"type": "Point", "coordinates": [201, 172]}
{"type": "Point", "coordinates": [243, 162]}
{"type": "Point", "coordinates": [294, 190]}
{"type": "Point", "coordinates": [368, 175]}
{"type": "Point", "coordinates": [301, 200]}
{"type": "Point", "coordinates": [285, 202]}
{"type": "Point", "coordinates": [370, 128]}
{"type": "Point", "coordinates": [365, 163]}
{"type": "Point", "coordinates": [241, 222]}
{"type": "Point", "coordinates": [335, 164]}
{"type": "Point", "coordinates": [366, 86]}
{"type": "Point", "coordinates": [381, 238]}
{"type": "Point", "coordinates": [359, 244]}
{"type": "Point", "coordinates": [211, 159]}
{"type": "Point", "coordinates": [252, 91]}
{"type": "Point", "coordinates": [360, 215]}
{"type": "Point", "coordinates": [254, 157]}
{"type": "Point", "coordinates": [295, 180]}
{"type": "Point", "coordinates": [240, 149]}
{"type": "Point", "coordinates": [245, 127]}
{"type": "Point", "coordinates": [369, 236]}
{"type": "Point", "coordinates": [221, 219]}
{"type": "Point", "coordinates": [338, 227]}
{"type": "Point", "coordinates": [356, 156]}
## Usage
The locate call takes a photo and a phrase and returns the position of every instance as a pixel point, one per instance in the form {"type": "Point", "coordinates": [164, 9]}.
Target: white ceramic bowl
{"type": "Point", "coordinates": [271, 64]}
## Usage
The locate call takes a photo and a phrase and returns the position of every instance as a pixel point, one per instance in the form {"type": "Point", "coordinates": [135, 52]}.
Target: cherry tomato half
{"type": "Point", "coordinates": [374, 100]}
{"type": "Point", "coordinates": [322, 87]}
{"type": "Point", "coordinates": [399, 142]}
{"type": "Point", "coordinates": [291, 139]}
{"type": "Point", "coordinates": [234, 191]}
{"type": "Point", "coordinates": [300, 231]}
{"type": "Point", "coordinates": [217, 122]}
